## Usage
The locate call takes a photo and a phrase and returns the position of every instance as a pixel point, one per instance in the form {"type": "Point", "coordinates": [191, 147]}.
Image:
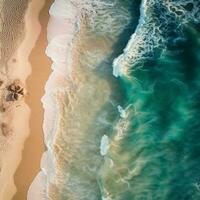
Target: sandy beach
{"type": "Point", "coordinates": [34, 146]}
{"type": "Point", "coordinates": [18, 117]}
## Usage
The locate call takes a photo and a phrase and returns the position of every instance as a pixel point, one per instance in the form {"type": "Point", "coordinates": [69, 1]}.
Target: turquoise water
{"type": "Point", "coordinates": [157, 156]}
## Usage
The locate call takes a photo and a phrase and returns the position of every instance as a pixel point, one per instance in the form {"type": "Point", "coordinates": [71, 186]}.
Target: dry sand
{"type": "Point", "coordinates": [34, 147]}
{"type": "Point", "coordinates": [18, 113]}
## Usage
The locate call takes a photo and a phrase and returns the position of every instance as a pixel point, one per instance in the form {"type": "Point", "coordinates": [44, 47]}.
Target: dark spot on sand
{"type": "Point", "coordinates": [14, 60]}
{"type": "Point", "coordinates": [5, 129]}
{"type": "Point", "coordinates": [1, 83]}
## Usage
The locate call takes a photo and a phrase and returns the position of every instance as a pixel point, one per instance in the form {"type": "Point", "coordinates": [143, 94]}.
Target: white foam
{"type": "Point", "coordinates": [37, 190]}
{"type": "Point", "coordinates": [121, 111]}
{"type": "Point", "coordinates": [130, 53]}
{"type": "Point", "coordinates": [47, 165]}
{"type": "Point", "coordinates": [63, 9]}
{"type": "Point", "coordinates": [61, 31]}
{"type": "Point", "coordinates": [59, 50]}
{"type": "Point", "coordinates": [117, 69]}
{"type": "Point", "coordinates": [104, 147]}
{"type": "Point", "coordinates": [58, 26]}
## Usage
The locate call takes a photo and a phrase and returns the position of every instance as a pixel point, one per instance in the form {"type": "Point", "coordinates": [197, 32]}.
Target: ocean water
{"type": "Point", "coordinates": [122, 103]}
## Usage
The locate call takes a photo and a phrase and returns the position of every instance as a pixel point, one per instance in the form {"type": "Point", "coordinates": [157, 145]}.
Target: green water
{"type": "Point", "coordinates": [158, 156]}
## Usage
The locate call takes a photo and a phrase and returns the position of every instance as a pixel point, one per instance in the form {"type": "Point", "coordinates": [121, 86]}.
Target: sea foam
{"type": "Point", "coordinates": [104, 145]}
{"type": "Point", "coordinates": [153, 32]}
{"type": "Point", "coordinates": [61, 30]}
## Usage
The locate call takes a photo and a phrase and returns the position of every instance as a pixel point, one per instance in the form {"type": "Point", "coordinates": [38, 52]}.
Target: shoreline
{"type": "Point", "coordinates": [34, 144]}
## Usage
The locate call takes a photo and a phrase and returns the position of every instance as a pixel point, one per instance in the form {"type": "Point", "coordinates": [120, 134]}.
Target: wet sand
{"type": "Point", "coordinates": [34, 146]}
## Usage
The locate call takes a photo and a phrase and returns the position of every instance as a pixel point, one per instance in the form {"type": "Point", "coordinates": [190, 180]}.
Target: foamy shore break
{"type": "Point", "coordinates": [61, 29]}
